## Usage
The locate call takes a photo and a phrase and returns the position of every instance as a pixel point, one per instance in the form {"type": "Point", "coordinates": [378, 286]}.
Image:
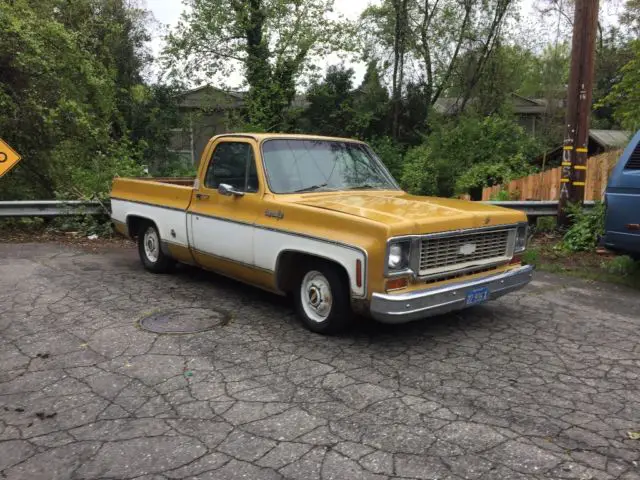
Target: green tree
{"type": "Point", "coordinates": [334, 107]}
{"type": "Point", "coordinates": [391, 154]}
{"type": "Point", "coordinates": [272, 42]}
{"type": "Point", "coordinates": [545, 77]}
{"type": "Point", "coordinates": [613, 51]}
{"type": "Point", "coordinates": [624, 97]}
{"type": "Point", "coordinates": [371, 105]}
{"type": "Point", "coordinates": [630, 17]}
{"type": "Point", "coordinates": [72, 95]}
{"type": "Point", "coordinates": [330, 109]}
{"type": "Point", "coordinates": [468, 155]}
{"type": "Point", "coordinates": [438, 39]}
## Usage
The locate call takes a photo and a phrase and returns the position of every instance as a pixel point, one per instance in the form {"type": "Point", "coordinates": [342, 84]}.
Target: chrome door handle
{"type": "Point", "coordinates": [202, 196]}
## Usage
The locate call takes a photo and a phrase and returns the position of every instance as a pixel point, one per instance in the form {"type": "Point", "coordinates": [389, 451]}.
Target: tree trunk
{"type": "Point", "coordinates": [399, 45]}
{"type": "Point", "coordinates": [487, 50]}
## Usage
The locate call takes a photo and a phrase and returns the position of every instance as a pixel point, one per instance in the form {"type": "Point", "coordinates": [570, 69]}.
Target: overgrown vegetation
{"type": "Point", "coordinates": [73, 99]}
{"type": "Point", "coordinates": [485, 151]}
{"type": "Point", "coordinates": [548, 254]}
{"type": "Point", "coordinates": [587, 227]}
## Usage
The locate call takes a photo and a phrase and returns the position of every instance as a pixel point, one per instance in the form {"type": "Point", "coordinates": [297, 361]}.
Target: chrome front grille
{"type": "Point", "coordinates": [447, 253]}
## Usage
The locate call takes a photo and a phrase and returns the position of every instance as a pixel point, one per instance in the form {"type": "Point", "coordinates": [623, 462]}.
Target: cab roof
{"type": "Point", "coordinates": [290, 136]}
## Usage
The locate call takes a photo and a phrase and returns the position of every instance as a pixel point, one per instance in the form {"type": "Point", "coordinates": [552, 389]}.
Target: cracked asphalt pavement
{"type": "Point", "coordinates": [542, 384]}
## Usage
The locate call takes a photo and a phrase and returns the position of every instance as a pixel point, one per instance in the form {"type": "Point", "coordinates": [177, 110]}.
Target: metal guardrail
{"type": "Point", "coordinates": [59, 208]}
{"type": "Point", "coordinates": [533, 208]}
{"type": "Point", "coordinates": [49, 208]}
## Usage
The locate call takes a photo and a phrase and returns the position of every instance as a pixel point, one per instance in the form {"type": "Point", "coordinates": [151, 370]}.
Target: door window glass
{"type": "Point", "coordinates": [233, 163]}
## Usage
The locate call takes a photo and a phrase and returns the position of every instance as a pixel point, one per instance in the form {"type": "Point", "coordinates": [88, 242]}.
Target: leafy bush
{"type": "Point", "coordinates": [73, 99]}
{"type": "Point", "coordinates": [546, 224]}
{"type": "Point", "coordinates": [624, 266]}
{"type": "Point", "coordinates": [420, 172]}
{"type": "Point", "coordinates": [173, 166]}
{"type": "Point", "coordinates": [501, 196]}
{"type": "Point", "coordinates": [490, 173]}
{"type": "Point", "coordinates": [473, 153]}
{"type": "Point", "coordinates": [85, 226]}
{"type": "Point", "coordinates": [531, 257]}
{"type": "Point", "coordinates": [586, 228]}
{"type": "Point", "coordinates": [390, 153]}
{"type": "Point", "coordinates": [624, 96]}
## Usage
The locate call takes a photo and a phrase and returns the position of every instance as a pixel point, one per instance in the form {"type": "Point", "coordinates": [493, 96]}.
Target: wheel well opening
{"type": "Point", "coordinates": [291, 264]}
{"type": "Point", "coordinates": [134, 223]}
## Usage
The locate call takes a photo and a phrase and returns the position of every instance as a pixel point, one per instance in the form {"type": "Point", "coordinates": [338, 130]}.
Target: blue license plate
{"type": "Point", "coordinates": [477, 295]}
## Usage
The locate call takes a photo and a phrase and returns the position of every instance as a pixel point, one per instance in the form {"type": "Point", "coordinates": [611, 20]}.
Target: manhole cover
{"type": "Point", "coordinates": [185, 320]}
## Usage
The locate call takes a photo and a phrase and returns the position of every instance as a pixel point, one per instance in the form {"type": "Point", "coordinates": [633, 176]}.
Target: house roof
{"type": "Point", "coordinates": [234, 93]}
{"type": "Point", "coordinates": [610, 138]}
{"type": "Point", "coordinates": [210, 96]}
{"type": "Point", "coordinates": [521, 105]}
{"type": "Point", "coordinates": [202, 97]}
{"type": "Point", "coordinates": [606, 139]}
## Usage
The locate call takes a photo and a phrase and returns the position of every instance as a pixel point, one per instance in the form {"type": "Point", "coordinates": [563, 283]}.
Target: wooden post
{"type": "Point", "coordinates": [576, 141]}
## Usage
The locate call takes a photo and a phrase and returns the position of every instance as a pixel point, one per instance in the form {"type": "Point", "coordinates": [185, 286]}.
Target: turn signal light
{"type": "Point", "coordinates": [397, 283]}
{"type": "Point", "coordinates": [516, 260]}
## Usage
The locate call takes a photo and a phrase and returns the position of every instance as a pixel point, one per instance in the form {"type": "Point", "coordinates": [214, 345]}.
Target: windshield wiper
{"type": "Point", "coordinates": [366, 186]}
{"type": "Point", "coordinates": [311, 188]}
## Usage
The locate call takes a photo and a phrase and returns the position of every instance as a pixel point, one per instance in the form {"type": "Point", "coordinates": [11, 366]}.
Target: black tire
{"type": "Point", "coordinates": [158, 263]}
{"type": "Point", "coordinates": [339, 315]}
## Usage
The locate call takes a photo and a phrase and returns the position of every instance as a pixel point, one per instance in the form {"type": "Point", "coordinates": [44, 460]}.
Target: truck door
{"type": "Point", "coordinates": [225, 206]}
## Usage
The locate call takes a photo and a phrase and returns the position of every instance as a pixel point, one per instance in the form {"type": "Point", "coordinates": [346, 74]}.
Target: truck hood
{"type": "Point", "coordinates": [409, 214]}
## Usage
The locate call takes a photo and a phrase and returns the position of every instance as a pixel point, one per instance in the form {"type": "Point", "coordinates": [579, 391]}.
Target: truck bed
{"type": "Point", "coordinates": [165, 199]}
{"type": "Point", "coordinates": [174, 193]}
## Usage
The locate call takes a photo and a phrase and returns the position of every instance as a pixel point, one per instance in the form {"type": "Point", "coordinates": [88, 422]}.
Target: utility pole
{"type": "Point", "coordinates": [576, 138]}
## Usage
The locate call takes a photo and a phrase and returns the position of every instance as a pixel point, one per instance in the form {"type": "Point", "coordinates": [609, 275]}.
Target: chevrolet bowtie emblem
{"type": "Point", "coordinates": [467, 249]}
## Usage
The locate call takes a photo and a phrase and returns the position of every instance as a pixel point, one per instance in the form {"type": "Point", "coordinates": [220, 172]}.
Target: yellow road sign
{"type": "Point", "coordinates": [8, 157]}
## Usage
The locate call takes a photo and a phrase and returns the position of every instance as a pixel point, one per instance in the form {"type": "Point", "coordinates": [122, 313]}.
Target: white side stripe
{"type": "Point", "coordinates": [240, 242]}
{"type": "Point", "coordinates": [166, 219]}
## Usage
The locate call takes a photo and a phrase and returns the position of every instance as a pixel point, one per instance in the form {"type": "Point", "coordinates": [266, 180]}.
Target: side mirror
{"type": "Point", "coordinates": [227, 190]}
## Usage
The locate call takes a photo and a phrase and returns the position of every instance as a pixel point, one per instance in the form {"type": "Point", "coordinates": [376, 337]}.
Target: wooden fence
{"type": "Point", "coordinates": [546, 185]}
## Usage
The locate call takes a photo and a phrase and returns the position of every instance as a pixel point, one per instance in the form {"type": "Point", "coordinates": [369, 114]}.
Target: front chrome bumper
{"type": "Point", "coordinates": [406, 307]}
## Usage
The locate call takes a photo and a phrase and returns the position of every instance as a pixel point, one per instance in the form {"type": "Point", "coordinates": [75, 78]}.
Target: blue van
{"type": "Point", "coordinates": [622, 203]}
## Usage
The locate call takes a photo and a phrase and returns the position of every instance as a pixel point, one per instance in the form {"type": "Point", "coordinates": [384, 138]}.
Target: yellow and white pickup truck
{"type": "Point", "coordinates": [321, 219]}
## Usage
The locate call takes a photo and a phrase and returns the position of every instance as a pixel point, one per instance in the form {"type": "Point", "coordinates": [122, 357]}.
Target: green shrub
{"type": "Point", "coordinates": [85, 226]}
{"type": "Point", "coordinates": [624, 266]}
{"type": "Point", "coordinates": [492, 173]}
{"type": "Point", "coordinates": [472, 153]}
{"type": "Point", "coordinates": [501, 196]}
{"type": "Point", "coordinates": [505, 196]}
{"type": "Point", "coordinates": [546, 224]}
{"type": "Point", "coordinates": [585, 230]}
{"type": "Point", "coordinates": [531, 257]}
{"type": "Point", "coordinates": [420, 174]}
{"type": "Point", "coordinates": [390, 153]}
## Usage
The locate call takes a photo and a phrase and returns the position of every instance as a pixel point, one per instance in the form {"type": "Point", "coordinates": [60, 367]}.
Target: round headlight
{"type": "Point", "coordinates": [395, 256]}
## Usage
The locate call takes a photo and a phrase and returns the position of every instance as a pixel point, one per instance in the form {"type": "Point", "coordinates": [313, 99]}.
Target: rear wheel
{"type": "Point", "coordinates": [150, 250]}
{"type": "Point", "coordinates": [322, 298]}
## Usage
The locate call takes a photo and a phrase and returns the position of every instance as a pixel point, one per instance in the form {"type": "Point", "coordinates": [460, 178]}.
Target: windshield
{"type": "Point", "coordinates": [321, 165]}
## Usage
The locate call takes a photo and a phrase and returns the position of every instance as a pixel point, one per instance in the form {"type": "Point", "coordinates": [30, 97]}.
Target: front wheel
{"type": "Point", "coordinates": [150, 250]}
{"type": "Point", "coordinates": [322, 299]}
